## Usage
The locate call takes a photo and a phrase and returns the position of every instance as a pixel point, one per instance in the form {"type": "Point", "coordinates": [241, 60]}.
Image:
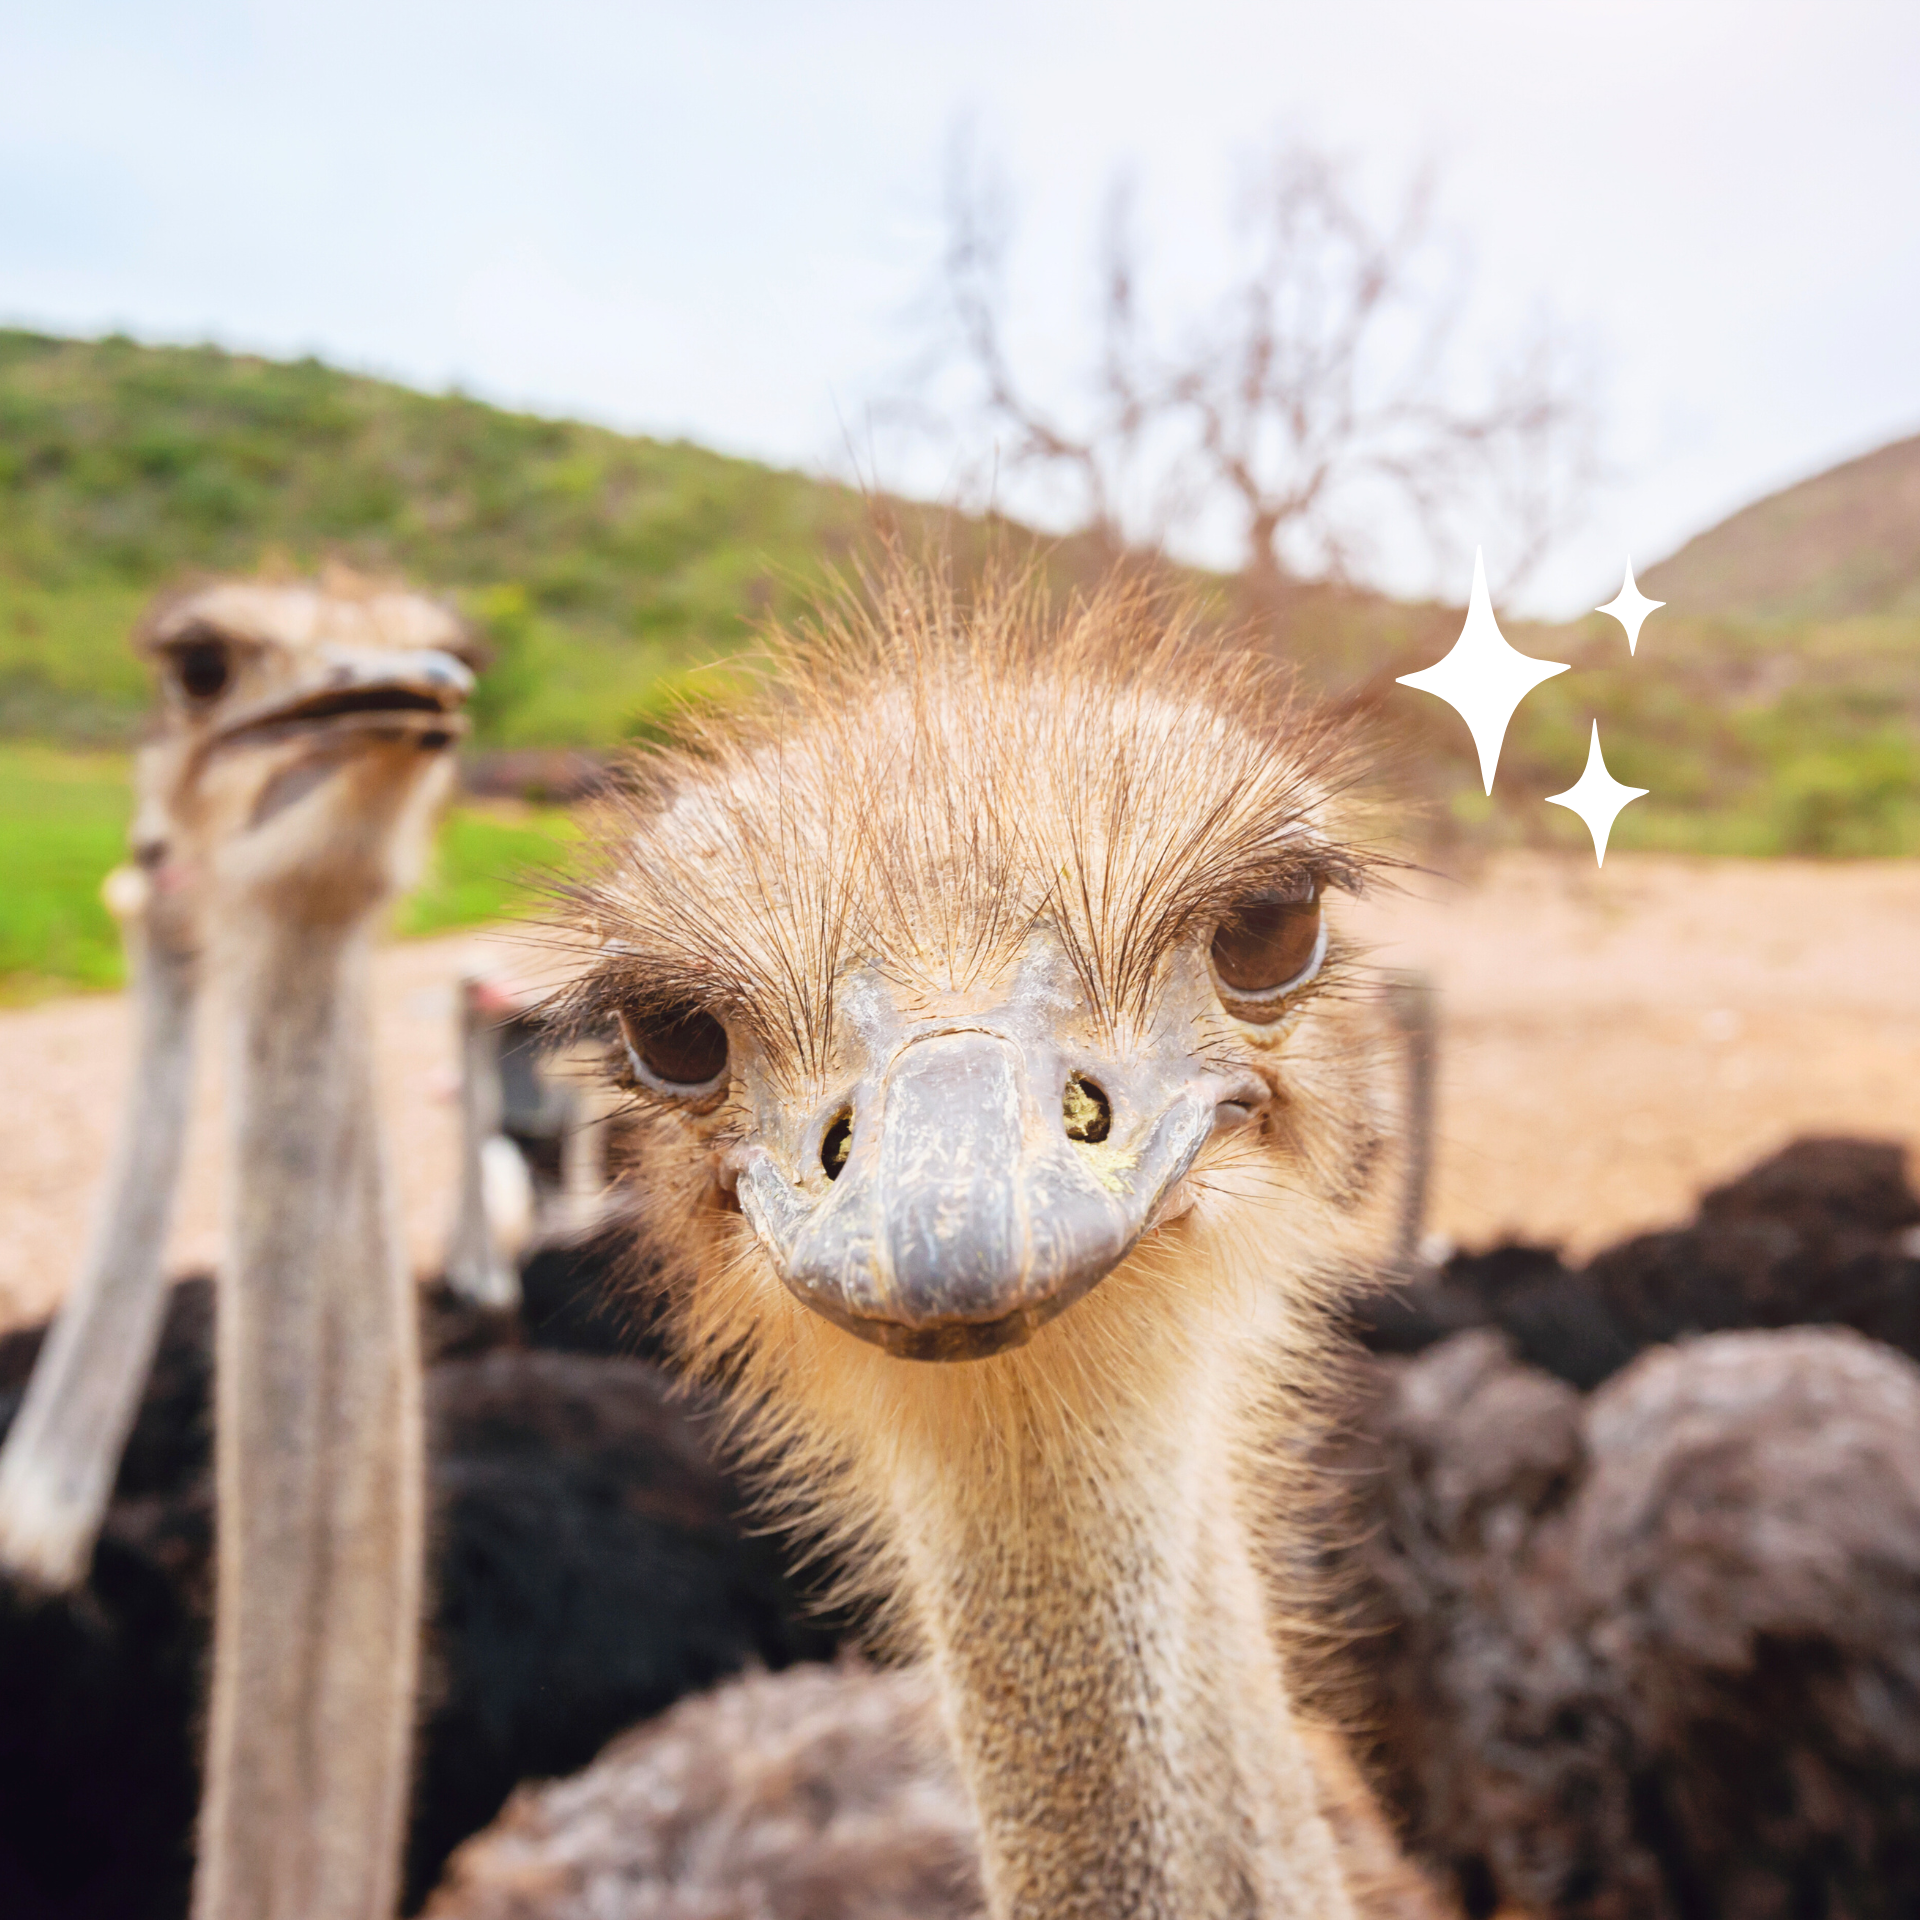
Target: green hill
{"type": "Point", "coordinates": [1775, 738]}
{"type": "Point", "coordinates": [1842, 545]}
{"type": "Point", "coordinates": [1775, 703]}
{"type": "Point", "coordinates": [600, 562]}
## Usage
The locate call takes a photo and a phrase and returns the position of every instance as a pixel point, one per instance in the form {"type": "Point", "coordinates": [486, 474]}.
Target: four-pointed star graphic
{"type": "Point", "coordinates": [1630, 607]}
{"type": "Point", "coordinates": [1482, 678]}
{"type": "Point", "coordinates": [1596, 797]}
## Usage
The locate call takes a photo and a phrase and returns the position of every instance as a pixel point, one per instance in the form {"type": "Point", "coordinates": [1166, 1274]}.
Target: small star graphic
{"type": "Point", "coordinates": [1630, 607]}
{"type": "Point", "coordinates": [1482, 678]}
{"type": "Point", "coordinates": [1597, 798]}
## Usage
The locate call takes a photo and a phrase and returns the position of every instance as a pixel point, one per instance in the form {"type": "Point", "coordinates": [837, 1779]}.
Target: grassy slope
{"type": "Point", "coordinates": [1752, 740]}
{"type": "Point", "coordinates": [601, 562]}
{"type": "Point", "coordinates": [63, 823]}
{"type": "Point", "coordinates": [605, 568]}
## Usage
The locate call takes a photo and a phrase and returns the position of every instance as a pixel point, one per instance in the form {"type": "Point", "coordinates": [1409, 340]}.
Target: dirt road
{"type": "Point", "coordinates": [1611, 1042]}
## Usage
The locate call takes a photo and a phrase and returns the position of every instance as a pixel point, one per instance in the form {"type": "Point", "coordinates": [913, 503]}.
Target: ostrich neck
{"type": "Point", "coordinates": [1120, 1713]}
{"type": "Point", "coordinates": [58, 1466]}
{"type": "Point", "coordinates": [319, 1455]}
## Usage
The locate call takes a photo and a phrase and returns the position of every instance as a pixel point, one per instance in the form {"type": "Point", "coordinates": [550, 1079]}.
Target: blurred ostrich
{"type": "Point", "coordinates": [1655, 1653]}
{"type": "Point", "coordinates": [57, 1467]}
{"type": "Point", "coordinates": [534, 1121]}
{"type": "Point", "coordinates": [1010, 1126]}
{"type": "Point", "coordinates": [1824, 1231]}
{"type": "Point", "coordinates": [60, 1456]}
{"type": "Point", "coordinates": [1644, 1655]}
{"type": "Point", "coordinates": [302, 808]}
{"type": "Point", "coordinates": [493, 1210]}
{"type": "Point", "coordinates": [820, 1793]}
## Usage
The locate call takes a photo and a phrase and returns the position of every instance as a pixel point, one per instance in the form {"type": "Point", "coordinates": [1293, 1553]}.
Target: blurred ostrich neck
{"type": "Point", "coordinates": [319, 1452]}
{"type": "Point", "coordinates": [58, 1467]}
{"type": "Point", "coordinates": [1101, 1635]}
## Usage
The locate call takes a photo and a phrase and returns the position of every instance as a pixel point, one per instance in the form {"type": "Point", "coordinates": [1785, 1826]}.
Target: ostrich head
{"type": "Point", "coordinates": [1008, 1117]}
{"type": "Point", "coordinates": [300, 743]}
{"type": "Point", "coordinates": [990, 963]}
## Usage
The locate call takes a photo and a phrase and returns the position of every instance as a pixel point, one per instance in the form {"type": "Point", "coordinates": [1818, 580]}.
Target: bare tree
{"type": "Point", "coordinates": [1097, 447]}
{"type": "Point", "coordinates": [1320, 396]}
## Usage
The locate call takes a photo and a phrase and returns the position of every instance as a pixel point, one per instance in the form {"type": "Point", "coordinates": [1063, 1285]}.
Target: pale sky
{"type": "Point", "coordinates": [713, 221]}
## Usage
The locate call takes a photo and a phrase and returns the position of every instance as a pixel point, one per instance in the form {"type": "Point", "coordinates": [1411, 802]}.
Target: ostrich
{"type": "Point", "coordinates": [493, 1213]}
{"type": "Point", "coordinates": [57, 1467]}
{"type": "Point", "coordinates": [518, 1092]}
{"type": "Point", "coordinates": [302, 809]}
{"type": "Point", "coordinates": [1655, 1651]}
{"type": "Point", "coordinates": [819, 1793]}
{"type": "Point", "coordinates": [58, 1464]}
{"type": "Point", "coordinates": [1651, 1651]}
{"type": "Point", "coordinates": [588, 1568]}
{"type": "Point", "coordinates": [1824, 1231]}
{"type": "Point", "coordinates": [1009, 1124]}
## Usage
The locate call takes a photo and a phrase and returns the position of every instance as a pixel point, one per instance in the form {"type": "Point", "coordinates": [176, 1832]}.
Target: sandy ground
{"type": "Point", "coordinates": [1611, 1042]}
{"type": "Point", "coordinates": [63, 1076]}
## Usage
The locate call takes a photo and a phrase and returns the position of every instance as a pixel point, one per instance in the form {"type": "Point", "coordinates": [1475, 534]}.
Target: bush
{"type": "Point", "coordinates": [1855, 799]}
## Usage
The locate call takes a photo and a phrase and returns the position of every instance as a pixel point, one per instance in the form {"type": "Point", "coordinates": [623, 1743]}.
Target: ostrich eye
{"type": "Point", "coordinates": [203, 668]}
{"type": "Point", "coordinates": [677, 1048]}
{"type": "Point", "coordinates": [1265, 948]}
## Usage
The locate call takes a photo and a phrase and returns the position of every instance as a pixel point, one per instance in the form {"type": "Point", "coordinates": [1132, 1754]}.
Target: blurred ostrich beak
{"type": "Point", "coordinates": [380, 692]}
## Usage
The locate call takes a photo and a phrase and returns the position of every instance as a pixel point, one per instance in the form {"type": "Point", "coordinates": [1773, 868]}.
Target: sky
{"type": "Point", "coordinates": [722, 222]}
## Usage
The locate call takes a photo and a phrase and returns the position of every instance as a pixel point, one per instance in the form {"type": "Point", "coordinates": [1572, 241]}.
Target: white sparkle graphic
{"type": "Point", "coordinates": [1597, 798]}
{"type": "Point", "coordinates": [1482, 678]}
{"type": "Point", "coordinates": [1630, 607]}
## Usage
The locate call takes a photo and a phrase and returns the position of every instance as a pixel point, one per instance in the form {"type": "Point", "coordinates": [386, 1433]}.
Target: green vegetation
{"type": "Point", "coordinates": [1752, 739]}
{"type": "Point", "coordinates": [489, 864]}
{"type": "Point", "coordinates": [614, 577]}
{"type": "Point", "coordinates": [66, 672]}
{"type": "Point", "coordinates": [597, 561]}
{"type": "Point", "coordinates": [63, 825]}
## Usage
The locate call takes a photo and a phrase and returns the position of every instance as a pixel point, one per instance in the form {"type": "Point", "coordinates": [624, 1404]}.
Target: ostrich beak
{"type": "Point", "coordinates": [989, 1181]}
{"type": "Point", "coordinates": [382, 692]}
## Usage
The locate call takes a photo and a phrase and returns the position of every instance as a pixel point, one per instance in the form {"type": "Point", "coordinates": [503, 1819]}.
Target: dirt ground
{"type": "Point", "coordinates": [1610, 1043]}
{"type": "Point", "coordinates": [1614, 1041]}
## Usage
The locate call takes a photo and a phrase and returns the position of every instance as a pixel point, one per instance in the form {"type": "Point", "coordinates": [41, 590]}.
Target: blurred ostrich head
{"type": "Point", "coordinates": [300, 740]}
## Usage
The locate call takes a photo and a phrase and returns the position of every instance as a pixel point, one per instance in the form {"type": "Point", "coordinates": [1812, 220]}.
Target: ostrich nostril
{"type": "Point", "coordinates": [836, 1144]}
{"type": "Point", "coordinates": [1087, 1111]}
{"type": "Point", "coordinates": [150, 854]}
